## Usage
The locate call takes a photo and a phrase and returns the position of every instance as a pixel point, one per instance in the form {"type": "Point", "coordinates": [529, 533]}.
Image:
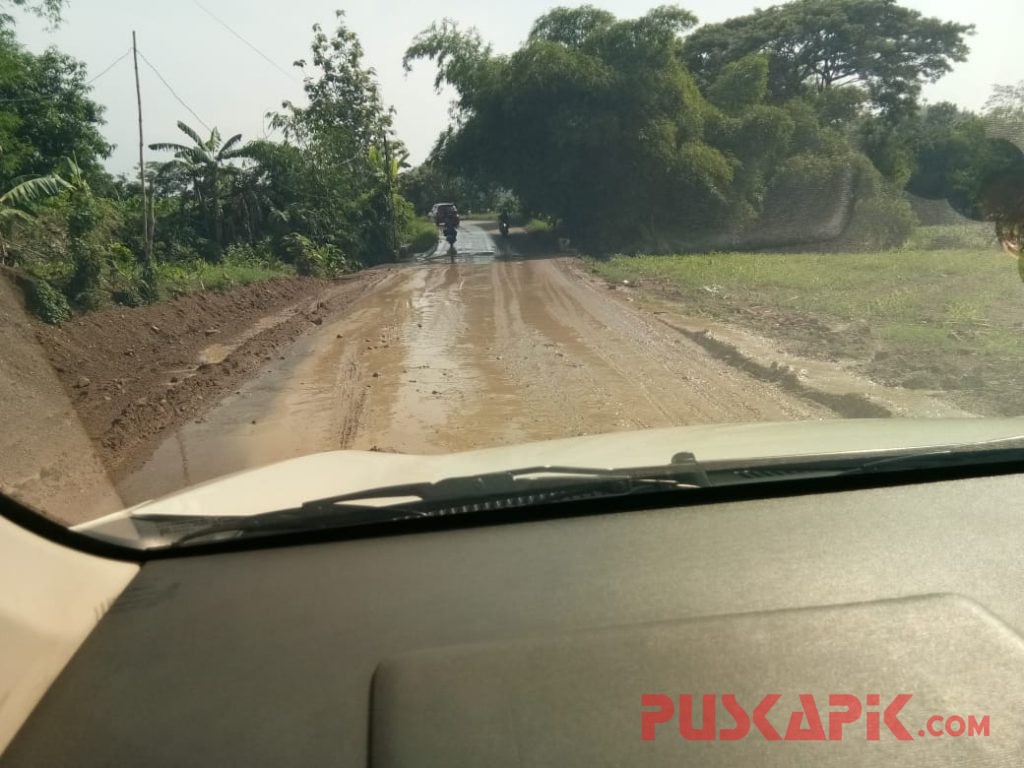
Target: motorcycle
{"type": "Point", "coordinates": [503, 226]}
{"type": "Point", "coordinates": [451, 233]}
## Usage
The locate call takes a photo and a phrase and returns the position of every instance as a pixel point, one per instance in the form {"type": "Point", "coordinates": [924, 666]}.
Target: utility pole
{"type": "Point", "coordinates": [147, 229]}
{"type": "Point", "coordinates": [391, 196]}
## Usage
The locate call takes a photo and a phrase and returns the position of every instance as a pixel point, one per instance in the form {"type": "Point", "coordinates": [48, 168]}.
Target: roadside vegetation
{"type": "Point", "coordinates": [422, 235]}
{"type": "Point", "coordinates": [658, 134]}
{"type": "Point", "coordinates": [653, 134]}
{"type": "Point", "coordinates": [220, 210]}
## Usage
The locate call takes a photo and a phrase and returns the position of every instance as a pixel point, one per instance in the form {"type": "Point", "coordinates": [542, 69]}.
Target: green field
{"type": "Point", "coordinates": [949, 320]}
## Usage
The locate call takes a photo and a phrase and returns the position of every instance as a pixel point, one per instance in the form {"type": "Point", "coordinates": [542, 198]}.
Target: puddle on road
{"type": "Point", "coordinates": [429, 382]}
{"type": "Point", "coordinates": [473, 246]}
{"type": "Point", "coordinates": [218, 352]}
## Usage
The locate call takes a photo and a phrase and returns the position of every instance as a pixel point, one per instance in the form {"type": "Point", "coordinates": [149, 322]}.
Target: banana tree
{"type": "Point", "coordinates": [23, 194]}
{"type": "Point", "coordinates": [206, 163]}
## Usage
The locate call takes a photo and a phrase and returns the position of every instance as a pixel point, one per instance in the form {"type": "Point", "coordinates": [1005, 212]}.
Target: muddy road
{"type": "Point", "coordinates": [483, 350]}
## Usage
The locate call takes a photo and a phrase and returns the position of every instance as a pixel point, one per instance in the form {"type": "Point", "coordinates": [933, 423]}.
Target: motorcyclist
{"type": "Point", "coordinates": [451, 226]}
{"type": "Point", "coordinates": [503, 223]}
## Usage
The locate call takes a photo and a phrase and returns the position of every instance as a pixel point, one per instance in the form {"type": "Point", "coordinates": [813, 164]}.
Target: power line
{"type": "Point", "coordinates": [260, 53]}
{"type": "Point", "coordinates": [117, 61]}
{"type": "Point", "coordinates": [173, 93]}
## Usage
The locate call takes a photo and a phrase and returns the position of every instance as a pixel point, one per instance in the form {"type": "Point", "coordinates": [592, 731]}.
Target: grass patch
{"type": "Point", "coordinates": [537, 225]}
{"type": "Point", "coordinates": [422, 236]}
{"type": "Point", "coordinates": [948, 319]}
{"type": "Point", "coordinates": [195, 276]}
{"type": "Point", "coordinates": [917, 336]}
{"type": "Point", "coordinates": [973, 235]}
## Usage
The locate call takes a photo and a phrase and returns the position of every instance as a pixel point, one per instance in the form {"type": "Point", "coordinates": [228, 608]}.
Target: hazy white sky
{"type": "Point", "coordinates": [231, 87]}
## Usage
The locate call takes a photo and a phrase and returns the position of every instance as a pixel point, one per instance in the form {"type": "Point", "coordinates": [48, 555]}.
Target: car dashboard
{"type": "Point", "coordinates": [573, 641]}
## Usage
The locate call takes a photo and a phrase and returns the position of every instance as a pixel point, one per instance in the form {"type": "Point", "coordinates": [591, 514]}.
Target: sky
{"type": "Point", "coordinates": [231, 86]}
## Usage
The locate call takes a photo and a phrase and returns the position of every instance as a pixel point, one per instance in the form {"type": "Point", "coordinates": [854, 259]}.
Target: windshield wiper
{"type": "Point", "coordinates": [533, 486]}
{"type": "Point", "coordinates": [486, 492]}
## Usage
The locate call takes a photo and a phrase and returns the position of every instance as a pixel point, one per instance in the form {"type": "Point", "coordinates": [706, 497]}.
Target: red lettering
{"type": "Point", "coordinates": [931, 720]}
{"type": "Point", "coordinates": [976, 727]}
{"type": "Point", "coordinates": [814, 731]}
{"type": "Point", "coordinates": [650, 719]}
{"type": "Point", "coordinates": [740, 715]}
{"type": "Point", "coordinates": [761, 717]}
{"type": "Point", "coordinates": [707, 730]}
{"type": "Point", "coordinates": [837, 719]}
{"type": "Point", "coordinates": [874, 727]}
{"type": "Point", "coordinates": [892, 720]}
{"type": "Point", "coordinates": [958, 722]}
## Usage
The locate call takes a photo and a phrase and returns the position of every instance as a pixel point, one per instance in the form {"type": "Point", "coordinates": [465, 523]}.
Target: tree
{"type": "Point", "coordinates": [15, 199]}
{"type": "Point", "coordinates": [884, 49]}
{"type": "Point", "coordinates": [571, 26]}
{"type": "Point", "coordinates": [1004, 113]}
{"type": "Point", "coordinates": [594, 122]}
{"type": "Point", "coordinates": [47, 114]}
{"type": "Point", "coordinates": [339, 137]}
{"type": "Point", "coordinates": [945, 143]}
{"type": "Point", "coordinates": [205, 163]}
{"type": "Point", "coordinates": [46, 9]}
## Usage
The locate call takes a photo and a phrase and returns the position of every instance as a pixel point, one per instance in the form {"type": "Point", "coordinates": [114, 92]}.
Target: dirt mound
{"type": "Point", "coordinates": [133, 373]}
{"type": "Point", "coordinates": [46, 459]}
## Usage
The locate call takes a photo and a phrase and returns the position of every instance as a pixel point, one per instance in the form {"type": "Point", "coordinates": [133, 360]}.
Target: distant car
{"type": "Point", "coordinates": [440, 211]}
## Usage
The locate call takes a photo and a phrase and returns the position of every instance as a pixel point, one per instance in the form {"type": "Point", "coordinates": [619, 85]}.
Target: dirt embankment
{"type": "Point", "coordinates": [46, 459]}
{"type": "Point", "coordinates": [133, 373]}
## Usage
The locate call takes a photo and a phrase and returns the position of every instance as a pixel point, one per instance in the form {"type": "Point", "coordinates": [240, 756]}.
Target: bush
{"type": "Point", "coordinates": [251, 255]}
{"type": "Point", "coordinates": [85, 288]}
{"type": "Point", "coordinates": [421, 236]}
{"type": "Point", "coordinates": [813, 195]}
{"type": "Point", "coordinates": [880, 223]}
{"type": "Point", "coordinates": [126, 283]}
{"type": "Point", "coordinates": [312, 260]}
{"type": "Point", "coordinates": [175, 252]}
{"type": "Point", "coordinates": [45, 301]}
{"type": "Point", "coordinates": [882, 217]}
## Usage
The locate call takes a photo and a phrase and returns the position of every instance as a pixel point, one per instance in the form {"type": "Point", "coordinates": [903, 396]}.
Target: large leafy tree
{"type": "Point", "coordinates": [45, 113]}
{"type": "Point", "coordinates": [344, 145]}
{"type": "Point", "coordinates": [206, 164]}
{"type": "Point", "coordinates": [883, 48]}
{"type": "Point", "coordinates": [595, 121]}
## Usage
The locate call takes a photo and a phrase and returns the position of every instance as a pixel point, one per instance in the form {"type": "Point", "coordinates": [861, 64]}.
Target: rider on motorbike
{"type": "Point", "coordinates": [451, 226]}
{"type": "Point", "coordinates": [503, 223]}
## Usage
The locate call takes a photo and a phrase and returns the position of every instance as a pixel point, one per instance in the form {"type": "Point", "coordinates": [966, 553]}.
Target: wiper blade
{"type": "Point", "coordinates": [533, 486]}
{"type": "Point", "coordinates": [453, 496]}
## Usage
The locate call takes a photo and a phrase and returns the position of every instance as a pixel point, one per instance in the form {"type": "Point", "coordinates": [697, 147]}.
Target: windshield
{"type": "Point", "coordinates": [502, 238]}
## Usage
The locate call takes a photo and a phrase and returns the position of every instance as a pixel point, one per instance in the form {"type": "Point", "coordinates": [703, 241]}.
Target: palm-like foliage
{"type": "Point", "coordinates": [202, 154]}
{"type": "Point", "coordinates": [27, 192]}
{"type": "Point", "coordinates": [206, 162]}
